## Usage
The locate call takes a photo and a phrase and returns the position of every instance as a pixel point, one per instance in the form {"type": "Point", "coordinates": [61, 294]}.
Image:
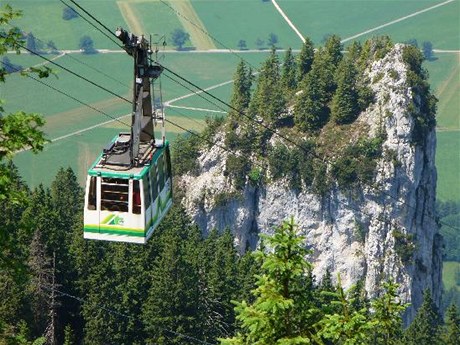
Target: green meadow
{"type": "Point", "coordinates": [449, 271]}
{"type": "Point", "coordinates": [249, 20]}
{"type": "Point", "coordinates": [228, 21]}
{"type": "Point", "coordinates": [44, 19]}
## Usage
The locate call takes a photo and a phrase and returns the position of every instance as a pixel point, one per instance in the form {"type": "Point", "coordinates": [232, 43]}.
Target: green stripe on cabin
{"type": "Point", "coordinates": [114, 230]}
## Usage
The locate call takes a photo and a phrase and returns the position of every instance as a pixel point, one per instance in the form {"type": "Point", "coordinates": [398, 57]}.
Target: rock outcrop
{"type": "Point", "coordinates": [384, 230]}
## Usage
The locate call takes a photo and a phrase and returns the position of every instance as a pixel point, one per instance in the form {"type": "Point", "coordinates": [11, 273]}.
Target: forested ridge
{"type": "Point", "coordinates": [183, 287]}
{"type": "Point", "coordinates": [180, 288]}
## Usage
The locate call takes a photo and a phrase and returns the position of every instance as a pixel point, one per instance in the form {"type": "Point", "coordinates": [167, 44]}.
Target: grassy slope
{"type": "Point", "coordinates": [67, 34]}
{"type": "Point", "coordinates": [231, 21]}
{"type": "Point", "coordinates": [448, 165]}
{"type": "Point", "coordinates": [449, 270]}
{"type": "Point", "coordinates": [348, 18]}
{"type": "Point", "coordinates": [65, 115]}
{"type": "Point", "coordinates": [444, 72]}
{"type": "Point", "coordinates": [248, 20]}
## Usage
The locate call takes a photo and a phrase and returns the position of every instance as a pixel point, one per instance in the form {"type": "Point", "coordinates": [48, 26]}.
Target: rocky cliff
{"type": "Point", "coordinates": [376, 231]}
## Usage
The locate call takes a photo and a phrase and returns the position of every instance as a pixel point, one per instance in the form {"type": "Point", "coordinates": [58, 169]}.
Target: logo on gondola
{"type": "Point", "coordinates": [114, 220]}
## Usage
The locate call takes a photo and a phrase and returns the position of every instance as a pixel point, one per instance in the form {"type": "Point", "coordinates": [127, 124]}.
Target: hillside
{"type": "Point", "coordinates": [361, 184]}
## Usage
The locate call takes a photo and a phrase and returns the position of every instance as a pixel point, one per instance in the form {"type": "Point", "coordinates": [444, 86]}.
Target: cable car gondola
{"type": "Point", "coordinates": [129, 186]}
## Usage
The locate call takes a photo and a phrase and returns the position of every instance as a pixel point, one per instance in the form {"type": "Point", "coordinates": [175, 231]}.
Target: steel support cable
{"type": "Point", "coordinates": [205, 32]}
{"type": "Point", "coordinates": [74, 73]}
{"type": "Point", "coordinates": [195, 93]}
{"type": "Point", "coordinates": [69, 55]}
{"type": "Point", "coordinates": [67, 95]}
{"type": "Point", "coordinates": [308, 153]}
{"type": "Point", "coordinates": [213, 143]}
{"type": "Point", "coordinates": [378, 218]}
{"type": "Point", "coordinates": [123, 315]}
{"type": "Point", "coordinates": [92, 24]}
{"type": "Point", "coordinates": [314, 155]}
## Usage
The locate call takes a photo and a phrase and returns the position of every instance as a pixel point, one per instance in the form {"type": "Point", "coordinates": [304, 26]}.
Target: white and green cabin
{"type": "Point", "coordinates": [129, 186]}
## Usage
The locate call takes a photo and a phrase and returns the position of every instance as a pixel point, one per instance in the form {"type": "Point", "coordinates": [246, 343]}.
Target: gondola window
{"type": "Point", "coordinates": [114, 194]}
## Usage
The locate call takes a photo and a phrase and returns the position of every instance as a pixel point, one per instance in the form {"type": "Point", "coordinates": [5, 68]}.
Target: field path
{"type": "Point", "coordinates": [130, 18]}
{"type": "Point", "coordinates": [192, 24]}
{"type": "Point", "coordinates": [397, 20]}
{"type": "Point", "coordinates": [286, 18]}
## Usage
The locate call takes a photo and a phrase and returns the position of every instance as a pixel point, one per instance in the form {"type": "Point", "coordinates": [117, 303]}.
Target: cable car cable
{"type": "Point", "coordinates": [68, 95]}
{"type": "Point", "coordinates": [241, 113]}
{"type": "Point", "coordinates": [74, 73]}
{"type": "Point", "coordinates": [92, 24]}
{"type": "Point", "coordinates": [69, 55]}
{"type": "Point", "coordinates": [126, 316]}
{"type": "Point", "coordinates": [309, 153]}
{"type": "Point", "coordinates": [205, 32]}
{"type": "Point", "coordinates": [402, 202]}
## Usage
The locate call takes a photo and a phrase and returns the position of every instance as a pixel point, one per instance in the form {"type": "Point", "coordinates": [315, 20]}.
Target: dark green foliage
{"type": "Point", "coordinates": [311, 110]}
{"type": "Point", "coordinates": [237, 167]}
{"type": "Point", "coordinates": [272, 40]}
{"type": "Point", "coordinates": [305, 58]}
{"type": "Point", "coordinates": [288, 75]}
{"type": "Point", "coordinates": [333, 48]}
{"type": "Point", "coordinates": [213, 126]}
{"type": "Point", "coordinates": [9, 66]}
{"type": "Point", "coordinates": [357, 162]}
{"type": "Point", "coordinates": [451, 332]}
{"type": "Point", "coordinates": [404, 245]}
{"type": "Point", "coordinates": [173, 298]}
{"type": "Point", "coordinates": [219, 270]}
{"type": "Point", "coordinates": [87, 45]}
{"type": "Point", "coordinates": [424, 107]}
{"type": "Point", "coordinates": [426, 326]}
{"type": "Point", "coordinates": [69, 13]}
{"type": "Point", "coordinates": [31, 42]}
{"type": "Point", "coordinates": [241, 95]}
{"type": "Point", "coordinates": [345, 107]}
{"type": "Point", "coordinates": [294, 163]}
{"type": "Point", "coordinates": [242, 45]}
{"type": "Point", "coordinates": [52, 47]}
{"type": "Point", "coordinates": [354, 51]}
{"type": "Point", "coordinates": [428, 50]}
{"type": "Point", "coordinates": [185, 152]}
{"type": "Point", "coordinates": [179, 37]}
{"type": "Point", "coordinates": [268, 101]}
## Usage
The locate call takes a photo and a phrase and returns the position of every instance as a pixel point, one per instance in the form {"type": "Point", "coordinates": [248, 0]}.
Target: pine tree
{"type": "Point", "coordinates": [288, 75]}
{"type": "Point", "coordinates": [451, 333]}
{"type": "Point", "coordinates": [425, 329]}
{"type": "Point", "coordinates": [241, 95]}
{"type": "Point", "coordinates": [173, 299]}
{"type": "Point", "coordinates": [333, 48]}
{"type": "Point", "coordinates": [345, 107]}
{"type": "Point", "coordinates": [387, 316]}
{"type": "Point", "coordinates": [310, 110]}
{"type": "Point", "coordinates": [40, 285]}
{"type": "Point", "coordinates": [219, 284]}
{"type": "Point", "coordinates": [268, 101]}
{"type": "Point", "coordinates": [347, 325]}
{"type": "Point", "coordinates": [282, 312]}
{"type": "Point", "coordinates": [305, 59]}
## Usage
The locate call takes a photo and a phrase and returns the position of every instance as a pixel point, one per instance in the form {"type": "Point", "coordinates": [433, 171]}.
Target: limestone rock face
{"type": "Point", "coordinates": [355, 233]}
